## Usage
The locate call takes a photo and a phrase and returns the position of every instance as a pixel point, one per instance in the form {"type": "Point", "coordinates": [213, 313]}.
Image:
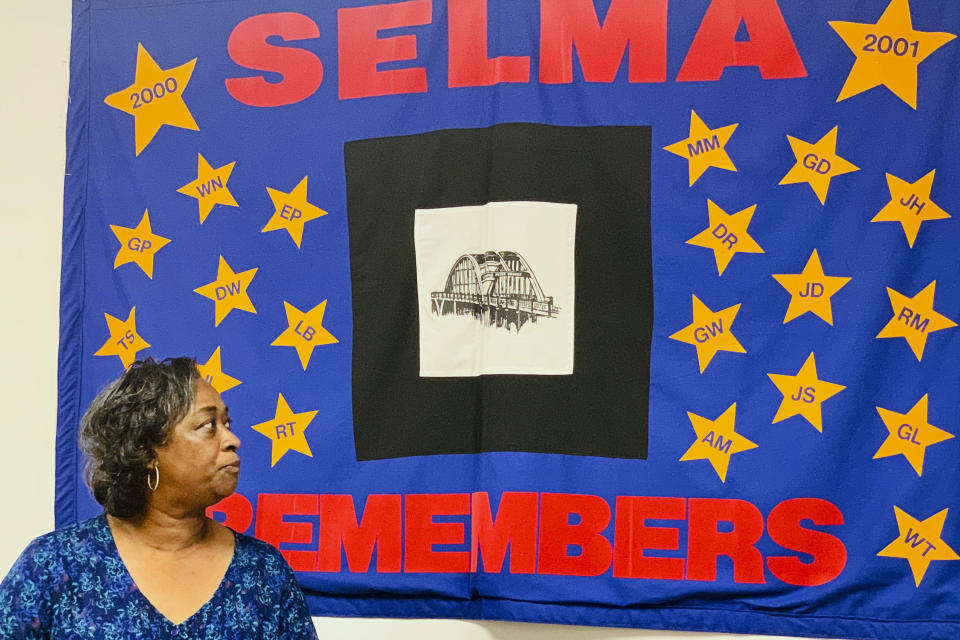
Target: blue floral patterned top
{"type": "Point", "coordinates": [71, 584]}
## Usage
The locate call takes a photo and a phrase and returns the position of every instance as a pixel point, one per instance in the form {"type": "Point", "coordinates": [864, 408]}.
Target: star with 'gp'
{"type": "Point", "coordinates": [292, 211]}
{"type": "Point", "coordinates": [155, 98]}
{"type": "Point", "coordinates": [726, 234]}
{"type": "Point", "coordinates": [910, 434]}
{"type": "Point", "coordinates": [286, 431]}
{"type": "Point", "coordinates": [138, 245]}
{"type": "Point", "coordinates": [212, 372]}
{"type": "Point", "coordinates": [804, 394]}
{"type": "Point", "coordinates": [817, 164]}
{"type": "Point", "coordinates": [910, 205]}
{"type": "Point", "coordinates": [228, 291]}
{"type": "Point", "coordinates": [704, 147]}
{"type": "Point", "coordinates": [710, 332]}
{"type": "Point", "coordinates": [210, 187]}
{"type": "Point", "coordinates": [810, 290]}
{"type": "Point", "coordinates": [888, 52]}
{"type": "Point", "coordinates": [914, 318]}
{"type": "Point", "coordinates": [716, 440]}
{"type": "Point", "coordinates": [124, 341]}
{"type": "Point", "coordinates": [919, 542]}
{"type": "Point", "coordinates": [304, 331]}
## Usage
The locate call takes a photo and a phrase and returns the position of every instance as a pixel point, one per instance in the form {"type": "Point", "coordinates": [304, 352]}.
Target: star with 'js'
{"type": "Point", "coordinates": [138, 245]}
{"type": "Point", "coordinates": [210, 187]}
{"type": "Point", "coordinates": [810, 290]}
{"type": "Point", "coordinates": [710, 332]}
{"type": "Point", "coordinates": [704, 147]}
{"type": "Point", "coordinates": [228, 291]}
{"type": "Point", "coordinates": [817, 164]}
{"type": "Point", "coordinates": [286, 431]}
{"type": "Point", "coordinates": [124, 341]}
{"type": "Point", "coordinates": [888, 52]}
{"type": "Point", "coordinates": [909, 434]}
{"type": "Point", "coordinates": [305, 331]}
{"type": "Point", "coordinates": [919, 542]}
{"type": "Point", "coordinates": [914, 318]}
{"type": "Point", "coordinates": [155, 98]}
{"type": "Point", "coordinates": [804, 394]}
{"type": "Point", "coordinates": [716, 440]}
{"type": "Point", "coordinates": [910, 205]}
{"type": "Point", "coordinates": [291, 211]}
{"type": "Point", "coordinates": [212, 372]}
{"type": "Point", "coordinates": [726, 234]}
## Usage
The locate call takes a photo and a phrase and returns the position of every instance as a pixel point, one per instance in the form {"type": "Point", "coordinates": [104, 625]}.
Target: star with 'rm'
{"type": "Point", "coordinates": [292, 211]}
{"type": "Point", "coordinates": [138, 245]}
{"type": "Point", "coordinates": [286, 431]}
{"type": "Point", "coordinates": [228, 291]}
{"type": "Point", "coordinates": [716, 440]}
{"type": "Point", "coordinates": [704, 147]}
{"type": "Point", "coordinates": [124, 341]}
{"type": "Point", "coordinates": [914, 318]}
{"type": "Point", "coordinates": [888, 52]}
{"type": "Point", "coordinates": [810, 290]}
{"type": "Point", "coordinates": [817, 164]}
{"type": "Point", "coordinates": [910, 205]}
{"type": "Point", "coordinates": [726, 234]}
{"type": "Point", "coordinates": [710, 332]}
{"type": "Point", "coordinates": [304, 331]}
{"type": "Point", "coordinates": [155, 98]}
{"type": "Point", "coordinates": [919, 542]}
{"type": "Point", "coordinates": [210, 187]}
{"type": "Point", "coordinates": [804, 394]}
{"type": "Point", "coordinates": [909, 434]}
{"type": "Point", "coordinates": [212, 372]}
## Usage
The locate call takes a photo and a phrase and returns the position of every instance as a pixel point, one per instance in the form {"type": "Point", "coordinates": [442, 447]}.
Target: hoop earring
{"type": "Point", "coordinates": [156, 483]}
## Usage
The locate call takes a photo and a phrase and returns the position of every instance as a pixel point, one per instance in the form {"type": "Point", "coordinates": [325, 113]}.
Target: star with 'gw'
{"type": "Point", "coordinates": [292, 211]}
{"type": "Point", "coordinates": [138, 245]}
{"type": "Point", "coordinates": [155, 98]}
{"type": "Point", "coordinates": [804, 394]}
{"type": "Point", "coordinates": [888, 52]}
{"type": "Point", "coordinates": [919, 542]}
{"type": "Point", "coordinates": [704, 147]}
{"type": "Point", "coordinates": [810, 290]}
{"type": "Point", "coordinates": [716, 440]}
{"type": "Point", "coordinates": [914, 318]}
{"type": "Point", "coordinates": [910, 205]}
{"type": "Point", "coordinates": [710, 332]}
{"type": "Point", "coordinates": [909, 434]}
{"type": "Point", "coordinates": [304, 331]}
{"type": "Point", "coordinates": [212, 372]}
{"type": "Point", "coordinates": [124, 341]}
{"type": "Point", "coordinates": [286, 431]}
{"type": "Point", "coordinates": [817, 164]}
{"type": "Point", "coordinates": [228, 291]}
{"type": "Point", "coordinates": [210, 187]}
{"type": "Point", "coordinates": [726, 234]}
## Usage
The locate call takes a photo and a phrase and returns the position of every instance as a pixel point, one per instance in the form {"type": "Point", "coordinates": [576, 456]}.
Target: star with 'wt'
{"type": "Point", "coordinates": [726, 234]}
{"type": "Point", "coordinates": [304, 331]}
{"type": "Point", "coordinates": [124, 341]}
{"type": "Point", "coordinates": [286, 431]}
{"type": "Point", "coordinates": [710, 332]}
{"type": "Point", "coordinates": [804, 394]}
{"type": "Point", "coordinates": [914, 318]}
{"type": "Point", "coordinates": [909, 434]}
{"type": "Point", "coordinates": [817, 164]}
{"type": "Point", "coordinates": [228, 291]}
{"type": "Point", "coordinates": [910, 205]}
{"type": "Point", "coordinates": [716, 440]}
{"type": "Point", "coordinates": [704, 148]}
{"type": "Point", "coordinates": [210, 187]}
{"type": "Point", "coordinates": [810, 290]}
{"type": "Point", "coordinates": [919, 542]}
{"type": "Point", "coordinates": [138, 245]}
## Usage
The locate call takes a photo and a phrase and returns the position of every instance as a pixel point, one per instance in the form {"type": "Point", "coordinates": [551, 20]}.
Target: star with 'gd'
{"type": "Point", "coordinates": [228, 291]}
{"type": "Point", "coordinates": [138, 245]}
{"type": "Point", "coordinates": [726, 234]}
{"type": "Point", "coordinates": [716, 440]}
{"type": "Point", "coordinates": [914, 318]}
{"type": "Point", "coordinates": [817, 163]}
{"type": "Point", "coordinates": [304, 331]}
{"type": "Point", "coordinates": [810, 290]}
{"type": "Point", "coordinates": [910, 434]}
{"type": "Point", "coordinates": [286, 431]}
{"type": "Point", "coordinates": [804, 394]}
{"type": "Point", "coordinates": [704, 147]}
{"type": "Point", "coordinates": [710, 332]}
{"type": "Point", "coordinates": [910, 205]}
{"type": "Point", "coordinates": [919, 542]}
{"type": "Point", "coordinates": [291, 211]}
{"type": "Point", "coordinates": [124, 341]}
{"type": "Point", "coordinates": [210, 187]}
{"type": "Point", "coordinates": [212, 372]}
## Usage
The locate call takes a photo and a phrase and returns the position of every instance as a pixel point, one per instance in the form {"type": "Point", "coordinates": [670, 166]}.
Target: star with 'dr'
{"type": "Point", "coordinates": [716, 440]}
{"type": "Point", "coordinates": [914, 318]}
{"type": "Point", "coordinates": [704, 147]}
{"type": "Point", "coordinates": [124, 341]}
{"type": "Point", "coordinates": [291, 211]}
{"type": "Point", "coordinates": [212, 372]}
{"type": "Point", "coordinates": [810, 290]}
{"type": "Point", "coordinates": [210, 187]}
{"type": "Point", "coordinates": [286, 431]}
{"type": "Point", "coordinates": [228, 291]}
{"type": "Point", "coordinates": [817, 164]}
{"type": "Point", "coordinates": [304, 331]}
{"type": "Point", "coordinates": [804, 394]}
{"type": "Point", "coordinates": [909, 434]}
{"type": "Point", "coordinates": [138, 245]}
{"type": "Point", "coordinates": [726, 234]}
{"type": "Point", "coordinates": [710, 332]}
{"type": "Point", "coordinates": [910, 205]}
{"type": "Point", "coordinates": [919, 542]}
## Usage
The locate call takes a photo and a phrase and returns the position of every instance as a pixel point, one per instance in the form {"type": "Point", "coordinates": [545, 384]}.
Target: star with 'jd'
{"type": "Point", "coordinates": [726, 234]}
{"type": "Point", "coordinates": [804, 394]}
{"type": "Point", "coordinates": [138, 245]}
{"type": "Point", "coordinates": [710, 332]}
{"type": "Point", "coordinates": [914, 318]}
{"type": "Point", "coordinates": [888, 52]}
{"type": "Point", "coordinates": [291, 211]}
{"type": "Point", "coordinates": [817, 164]}
{"type": "Point", "coordinates": [909, 434]}
{"type": "Point", "coordinates": [305, 331]}
{"type": "Point", "coordinates": [910, 205]}
{"type": "Point", "coordinates": [919, 542]}
{"type": "Point", "coordinates": [228, 291]}
{"type": "Point", "coordinates": [212, 372]}
{"type": "Point", "coordinates": [210, 187]}
{"type": "Point", "coordinates": [155, 98]}
{"type": "Point", "coordinates": [716, 440]}
{"type": "Point", "coordinates": [704, 147]}
{"type": "Point", "coordinates": [124, 341]}
{"type": "Point", "coordinates": [286, 431]}
{"type": "Point", "coordinates": [810, 290]}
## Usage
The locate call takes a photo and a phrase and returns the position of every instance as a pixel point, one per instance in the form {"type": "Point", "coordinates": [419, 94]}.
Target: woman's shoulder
{"type": "Point", "coordinates": [252, 552]}
{"type": "Point", "coordinates": [73, 541]}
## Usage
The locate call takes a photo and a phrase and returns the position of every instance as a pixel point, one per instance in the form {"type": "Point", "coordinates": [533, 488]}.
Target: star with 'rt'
{"type": "Point", "coordinates": [726, 234]}
{"type": "Point", "coordinates": [138, 245]}
{"type": "Point", "coordinates": [910, 205]}
{"type": "Point", "coordinates": [704, 147]}
{"type": "Point", "coordinates": [919, 542]}
{"type": "Point", "coordinates": [210, 187]}
{"type": "Point", "coordinates": [124, 341]}
{"type": "Point", "coordinates": [716, 440]}
{"type": "Point", "coordinates": [304, 331]}
{"type": "Point", "coordinates": [710, 332]}
{"type": "Point", "coordinates": [228, 291]}
{"type": "Point", "coordinates": [817, 164]}
{"type": "Point", "coordinates": [286, 431]}
{"type": "Point", "coordinates": [804, 394]}
{"type": "Point", "coordinates": [291, 211]}
{"type": "Point", "coordinates": [212, 372]}
{"type": "Point", "coordinates": [810, 290]}
{"type": "Point", "coordinates": [914, 318]}
{"type": "Point", "coordinates": [909, 434]}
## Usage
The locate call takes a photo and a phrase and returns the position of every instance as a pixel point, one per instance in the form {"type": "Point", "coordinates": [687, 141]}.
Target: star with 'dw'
{"type": "Point", "coordinates": [291, 211]}
{"type": "Point", "coordinates": [804, 394]}
{"type": "Point", "coordinates": [124, 341]}
{"type": "Point", "coordinates": [909, 434]}
{"type": "Point", "coordinates": [716, 440]}
{"type": "Point", "coordinates": [212, 372]}
{"type": "Point", "coordinates": [210, 187]}
{"type": "Point", "coordinates": [888, 52]}
{"type": "Point", "coordinates": [155, 98]}
{"type": "Point", "coordinates": [817, 164]}
{"type": "Point", "coordinates": [286, 431]}
{"type": "Point", "coordinates": [704, 147]}
{"type": "Point", "coordinates": [138, 245]}
{"type": "Point", "coordinates": [726, 234]}
{"type": "Point", "coordinates": [710, 332]}
{"type": "Point", "coordinates": [910, 205]}
{"type": "Point", "coordinates": [914, 318]}
{"type": "Point", "coordinates": [304, 331]}
{"type": "Point", "coordinates": [919, 542]}
{"type": "Point", "coordinates": [810, 290]}
{"type": "Point", "coordinates": [228, 291]}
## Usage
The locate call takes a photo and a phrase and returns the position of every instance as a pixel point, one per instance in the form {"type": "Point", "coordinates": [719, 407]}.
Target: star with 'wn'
{"type": "Point", "coordinates": [804, 394]}
{"type": "Point", "coordinates": [286, 431]}
{"type": "Point", "coordinates": [710, 332]}
{"type": "Point", "coordinates": [304, 331]}
{"type": "Point", "coordinates": [210, 187]}
{"type": "Point", "coordinates": [817, 164]}
{"type": "Point", "coordinates": [228, 291]}
{"type": "Point", "coordinates": [138, 245]}
{"type": "Point", "coordinates": [124, 341]}
{"type": "Point", "coordinates": [292, 211]}
{"type": "Point", "coordinates": [888, 52]}
{"type": "Point", "coordinates": [909, 434]}
{"type": "Point", "coordinates": [810, 290]}
{"type": "Point", "coordinates": [726, 234]}
{"type": "Point", "coordinates": [919, 542]}
{"type": "Point", "coordinates": [716, 440]}
{"type": "Point", "coordinates": [704, 147]}
{"type": "Point", "coordinates": [910, 205]}
{"type": "Point", "coordinates": [914, 318]}
{"type": "Point", "coordinates": [212, 372]}
{"type": "Point", "coordinates": [155, 98]}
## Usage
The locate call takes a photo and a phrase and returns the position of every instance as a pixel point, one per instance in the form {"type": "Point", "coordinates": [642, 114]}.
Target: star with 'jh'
{"type": "Point", "coordinates": [286, 431]}
{"type": "Point", "coordinates": [910, 205]}
{"type": "Point", "coordinates": [228, 291]}
{"type": "Point", "coordinates": [726, 234]}
{"type": "Point", "coordinates": [817, 164]}
{"type": "Point", "coordinates": [304, 331]}
{"type": "Point", "coordinates": [292, 211]}
{"type": "Point", "coordinates": [704, 147]}
{"type": "Point", "coordinates": [124, 341]}
{"type": "Point", "coordinates": [919, 542]}
{"type": "Point", "coordinates": [810, 290]}
{"type": "Point", "coordinates": [716, 441]}
{"type": "Point", "coordinates": [138, 245]}
{"type": "Point", "coordinates": [710, 332]}
{"type": "Point", "coordinates": [210, 187]}
{"type": "Point", "coordinates": [914, 318]}
{"type": "Point", "coordinates": [909, 434]}
{"type": "Point", "coordinates": [212, 372]}
{"type": "Point", "coordinates": [804, 394]}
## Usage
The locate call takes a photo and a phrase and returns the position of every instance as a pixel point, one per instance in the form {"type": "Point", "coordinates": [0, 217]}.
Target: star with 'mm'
{"type": "Point", "coordinates": [810, 290]}
{"type": "Point", "coordinates": [305, 331]}
{"type": "Point", "coordinates": [228, 291]}
{"type": "Point", "coordinates": [804, 394]}
{"type": "Point", "coordinates": [919, 542]}
{"type": "Point", "coordinates": [726, 234]}
{"type": "Point", "coordinates": [817, 163]}
{"type": "Point", "coordinates": [138, 245]}
{"type": "Point", "coordinates": [210, 187]}
{"type": "Point", "coordinates": [914, 318]}
{"type": "Point", "coordinates": [212, 372]}
{"type": "Point", "coordinates": [909, 434]}
{"type": "Point", "coordinates": [704, 147]}
{"type": "Point", "coordinates": [291, 211]}
{"type": "Point", "coordinates": [710, 332]}
{"type": "Point", "coordinates": [286, 431]}
{"type": "Point", "coordinates": [717, 440]}
{"type": "Point", "coordinates": [910, 205]}
{"type": "Point", "coordinates": [124, 341]}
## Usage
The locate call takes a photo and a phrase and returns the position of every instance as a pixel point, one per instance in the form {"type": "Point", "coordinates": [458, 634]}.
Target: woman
{"type": "Point", "coordinates": [160, 451]}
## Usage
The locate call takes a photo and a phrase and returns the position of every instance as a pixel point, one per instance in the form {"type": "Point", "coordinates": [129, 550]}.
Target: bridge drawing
{"type": "Point", "coordinates": [496, 287]}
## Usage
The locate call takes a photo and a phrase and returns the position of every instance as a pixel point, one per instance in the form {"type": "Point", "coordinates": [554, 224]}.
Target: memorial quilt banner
{"type": "Point", "coordinates": [613, 312]}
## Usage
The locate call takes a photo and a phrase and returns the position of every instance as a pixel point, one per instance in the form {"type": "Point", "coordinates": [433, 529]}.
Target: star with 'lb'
{"type": "Point", "coordinates": [726, 234]}
{"type": "Point", "coordinates": [228, 291]}
{"type": "Point", "coordinates": [704, 147]}
{"type": "Point", "coordinates": [292, 211]}
{"type": "Point", "coordinates": [124, 341]}
{"type": "Point", "coordinates": [138, 245]}
{"type": "Point", "coordinates": [910, 205]}
{"type": "Point", "coordinates": [804, 394]}
{"type": "Point", "coordinates": [919, 542]}
{"type": "Point", "coordinates": [155, 98]}
{"type": "Point", "coordinates": [212, 372]}
{"type": "Point", "coordinates": [817, 164]}
{"type": "Point", "coordinates": [716, 440]}
{"type": "Point", "coordinates": [304, 331]}
{"type": "Point", "coordinates": [286, 431]}
{"type": "Point", "coordinates": [710, 332]}
{"type": "Point", "coordinates": [810, 290]}
{"type": "Point", "coordinates": [909, 434]}
{"type": "Point", "coordinates": [914, 318]}
{"type": "Point", "coordinates": [210, 187]}
{"type": "Point", "coordinates": [888, 52]}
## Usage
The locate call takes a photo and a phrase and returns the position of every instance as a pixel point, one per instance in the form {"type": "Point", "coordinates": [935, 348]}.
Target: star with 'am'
{"type": "Point", "coordinates": [210, 187]}
{"type": "Point", "coordinates": [704, 147]}
{"type": "Point", "coordinates": [716, 440]}
{"type": "Point", "coordinates": [817, 164]}
{"type": "Point", "coordinates": [124, 341]}
{"type": "Point", "coordinates": [304, 331]}
{"type": "Point", "coordinates": [291, 211]}
{"type": "Point", "coordinates": [286, 431]}
{"type": "Point", "coordinates": [212, 372]}
{"type": "Point", "coordinates": [138, 245]}
{"type": "Point", "coordinates": [888, 52]}
{"type": "Point", "coordinates": [919, 542]}
{"type": "Point", "coordinates": [228, 291]}
{"type": "Point", "coordinates": [910, 205]}
{"type": "Point", "coordinates": [726, 234]}
{"type": "Point", "coordinates": [914, 318]}
{"type": "Point", "coordinates": [910, 434]}
{"type": "Point", "coordinates": [804, 394]}
{"type": "Point", "coordinates": [810, 290]}
{"type": "Point", "coordinates": [710, 332]}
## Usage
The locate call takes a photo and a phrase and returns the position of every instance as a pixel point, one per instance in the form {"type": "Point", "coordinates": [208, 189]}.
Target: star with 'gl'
{"type": "Point", "coordinates": [909, 434]}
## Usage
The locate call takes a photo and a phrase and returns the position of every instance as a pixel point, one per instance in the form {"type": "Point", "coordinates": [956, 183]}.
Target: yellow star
{"type": "Point", "coordinates": [888, 52]}
{"type": "Point", "coordinates": [210, 187]}
{"type": "Point", "coordinates": [124, 341]}
{"type": "Point", "coordinates": [286, 431]}
{"type": "Point", "coordinates": [228, 291]}
{"type": "Point", "coordinates": [817, 163]}
{"type": "Point", "coordinates": [804, 394]}
{"type": "Point", "coordinates": [716, 441]}
{"type": "Point", "coordinates": [304, 331]}
{"type": "Point", "coordinates": [138, 245]}
{"type": "Point", "coordinates": [292, 211]}
{"type": "Point", "coordinates": [810, 290]}
{"type": "Point", "coordinates": [910, 205]}
{"type": "Point", "coordinates": [909, 434]}
{"type": "Point", "coordinates": [704, 147]}
{"type": "Point", "coordinates": [212, 372]}
{"type": "Point", "coordinates": [726, 234]}
{"type": "Point", "coordinates": [710, 332]}
{"type": "Point", "coordinates": [155, 98]}
{"type": "Point", "coordinates": [919, 543]}
{"type": "Point", "coordinates": [914, 318]}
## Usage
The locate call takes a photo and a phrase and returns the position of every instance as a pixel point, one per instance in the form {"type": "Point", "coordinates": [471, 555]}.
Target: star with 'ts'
{"type": "Point", "coordinates": [810, 290]}
{"type": "Point", "coordinates": [919, 543]}
{"type": "Point", "coordinates": [704, 147]}
{"type": "Point", "coordinates": [817, 163]}
{"type": "Point", "coordinates": [726, 234]}
{"type": "Point", "coordinates": [286, 431]}
{"type": "Point", "coordinates": [210, 187]}
{"type": "Point", "coordinates": [292, 211]}
{"type": "Point", "coordinates": [910, 205]}
{"type": "Point", "coordinates": [716, 441]}
{"type": "Point", "coordinates": [710, 332]}
{"type": "Point", "coordinates": [914, 318]}
{"type": "Point", "coordinates": [124, 341]}
{"type": "Point", "coordinates": [304, 331]}
{"type": "Point", "coordinates": [212, 372]}
{"type": "Point", "coordinates": [228, 291]}
{"type": "Point", "coordinates": [909, 434]}
{"type": "Point", "coordinates": [138, 245]}
{"type": "Point", "coordinates": [804, 394]}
